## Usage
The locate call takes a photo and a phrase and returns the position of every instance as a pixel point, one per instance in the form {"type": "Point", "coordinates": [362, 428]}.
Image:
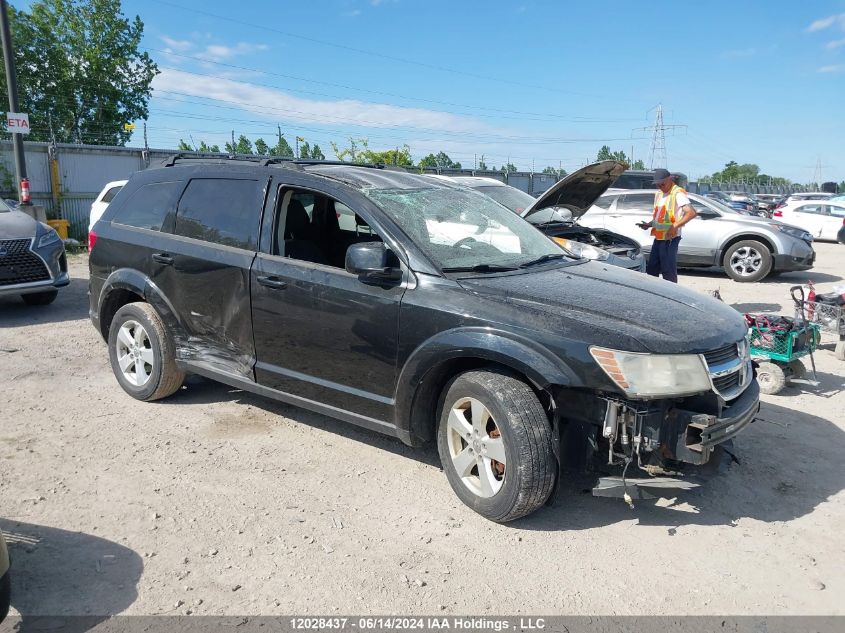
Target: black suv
{"type": "Point", "coordinates": [420, 309]}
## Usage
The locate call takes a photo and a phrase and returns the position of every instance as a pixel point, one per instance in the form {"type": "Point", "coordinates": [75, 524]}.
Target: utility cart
{"type": "Point", "coordinates": [778, 343]}
{"type": "Point", "coordinates": [830, 318]}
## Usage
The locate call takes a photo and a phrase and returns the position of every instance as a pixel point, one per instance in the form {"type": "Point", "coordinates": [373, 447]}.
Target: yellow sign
{"type": "Point", "coordinates": [128, 127]}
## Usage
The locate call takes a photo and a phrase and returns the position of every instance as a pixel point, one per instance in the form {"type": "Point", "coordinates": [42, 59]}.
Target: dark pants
{"type": "Point", "coordinates": [663, 259]}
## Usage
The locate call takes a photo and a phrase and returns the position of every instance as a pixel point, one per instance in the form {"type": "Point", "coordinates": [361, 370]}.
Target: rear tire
{"type": "Point", "coordinates": [40, 298]}
{"type": "Point", "coordinates": [142, 354]}
{"type": "Point", "coordinates": [770, 377]}
{"type": "Point", "coordinates": [797, 369]}
{"type": "Point", "coordinates": [747, 261]}
{"type": "Point", "coordinates": [495, 444]}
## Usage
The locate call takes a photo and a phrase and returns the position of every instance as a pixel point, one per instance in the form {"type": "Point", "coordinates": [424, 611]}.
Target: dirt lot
{"type": "Point", "coordinates": [219, 502]}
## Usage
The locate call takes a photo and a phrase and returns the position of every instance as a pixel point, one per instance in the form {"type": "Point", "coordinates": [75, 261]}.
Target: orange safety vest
{"type": "Point", "coordinates": [664, 217]}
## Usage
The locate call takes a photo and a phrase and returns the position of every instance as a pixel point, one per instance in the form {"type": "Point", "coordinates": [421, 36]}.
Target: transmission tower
{"type": "Point", "coordinates": [657, 149]}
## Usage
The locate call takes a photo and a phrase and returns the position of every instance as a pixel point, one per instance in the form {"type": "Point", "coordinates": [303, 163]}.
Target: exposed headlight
{"type": "Point", "coordinates": [794, 231]}
{"type": "Point", "coordinates": [579, 249]}
{"type": "Point", "coordinates": [48, 238]}
{"type": "Point", "coordinates": [654, 375]}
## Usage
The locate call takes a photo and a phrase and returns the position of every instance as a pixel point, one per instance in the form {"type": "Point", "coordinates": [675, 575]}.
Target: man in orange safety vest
{"type": "Point", "coordinates": [672, 209]}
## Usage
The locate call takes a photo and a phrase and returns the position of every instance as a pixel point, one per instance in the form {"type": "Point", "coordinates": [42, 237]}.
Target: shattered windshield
{"type": "Point", "coordinates": [462, 228]}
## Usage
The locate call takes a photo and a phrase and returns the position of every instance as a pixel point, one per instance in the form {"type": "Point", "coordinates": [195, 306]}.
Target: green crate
{"type": "Point", "coordinates": [783, 346]}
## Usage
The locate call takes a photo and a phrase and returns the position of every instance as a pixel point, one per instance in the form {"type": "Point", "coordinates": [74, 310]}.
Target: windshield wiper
{"type": "Point", "coordinates": [478, 268]}
{"type": "Point", "coordinates": [545, 258]}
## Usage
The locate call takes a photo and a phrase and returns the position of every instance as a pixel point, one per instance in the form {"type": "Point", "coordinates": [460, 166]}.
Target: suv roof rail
{"type": "Point", "coordinates": [263, 161]}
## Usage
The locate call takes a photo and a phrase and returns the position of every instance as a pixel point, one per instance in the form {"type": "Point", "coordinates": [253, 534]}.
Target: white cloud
{"type": "Point", "coordinates": [274, 104]}
{"type": "Point", "coordinates": [824, 23]}
{"type": "Point", "coordinates": [834, 68]}
{"type": "Point", "coordinates": [176, 45]}
{"type": "Point", "coordinates": [221, 52]}
{"type": "Point", "coordinates": [834, 44]}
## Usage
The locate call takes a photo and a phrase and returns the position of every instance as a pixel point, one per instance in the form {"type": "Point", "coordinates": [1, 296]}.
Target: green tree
{"type": "Point", "coordinates": [80, 70]}
{"type": "Point", "coordinates": [317, 153]}
{"type": "Point", "coordinates": [745, 173]}
{"type": "Point", "coordinates": [282, 148]}
{"type": "Point", "coordinates": [261, 147]}
{"type": "Point", "coordinates": [441, 161]}
{"type": "Point", "coordinates": [605, 154]}
{"type": "Point", "coordinates": [400, 157]}
{"type": "Point", "coordinates": [353, 152]}
{"type": "Point", "coordinates": [482, 165]}
{"type": "Point", "coordinates": [305, 150]}
{"type": "Point", "coordinates": [560, 173]}
{"type": "Point", "coordinates": [510, 167]}
{"type": "Point", "coordinates": [243, 146]}
{"type": "Point", "coordinates": [208, 149]}
{"type": "Point", "coordinates": [184, 147]}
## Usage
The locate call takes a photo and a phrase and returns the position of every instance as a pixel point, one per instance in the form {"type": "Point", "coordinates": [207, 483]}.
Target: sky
{"type": "Point", "coordinates": [534, 83]}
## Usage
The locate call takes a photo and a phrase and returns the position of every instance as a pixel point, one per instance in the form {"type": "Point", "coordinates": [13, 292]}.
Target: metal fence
{"type": "Point", "coordinates": [83, 170]}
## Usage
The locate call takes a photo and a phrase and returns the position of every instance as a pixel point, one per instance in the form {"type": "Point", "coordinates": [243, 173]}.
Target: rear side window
{"type": "Point", "coordinates": [636, 202]}
{"type": "Point", "coordinates": [147, 207]}
{"type": "Point", "coordinates": [111, 193]}
{"type": "Point", "coordinates": [221, 210]}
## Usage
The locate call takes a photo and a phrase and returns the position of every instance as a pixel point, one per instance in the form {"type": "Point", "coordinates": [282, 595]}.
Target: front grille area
{"type": "Point", "coordinates": [721, 355]}
{"type": "Point", "coordinates": [724, 384]}
{"type": "Point", "coordinates": [19, 265]}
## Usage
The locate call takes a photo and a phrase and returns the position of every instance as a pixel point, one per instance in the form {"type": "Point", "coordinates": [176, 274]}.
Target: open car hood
{"type": "Point", "coordinates": [579, 190]}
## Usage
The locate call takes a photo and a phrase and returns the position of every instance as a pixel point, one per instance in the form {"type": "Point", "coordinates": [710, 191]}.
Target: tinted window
{"type": "Point", "coordinates": [111, 193]}
{"type": "Point", "coordinates": [148, 206]}
{"type": "Point", "coordinates": [636, 202]}
{"type": "Point", "coordinates": [220, 210]}
{"type": "Point", "coordinates": [839, 212]}
{"type": "Point", "coordinates": [815, 209]}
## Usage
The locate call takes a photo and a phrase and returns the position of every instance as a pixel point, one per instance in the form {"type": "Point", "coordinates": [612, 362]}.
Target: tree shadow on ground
{"type": "Point", "coordinates": [790, 463]}
{"type": "Point", "coordinates": [59, 575]}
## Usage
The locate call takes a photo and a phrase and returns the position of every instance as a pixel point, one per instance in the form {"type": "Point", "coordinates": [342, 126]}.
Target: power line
{"type": "Point", "coordinates": [472, 108]}
{"type": "Point", "coordinates": [657, 149]}
{"type": "Point", "coordinates": [380, 54]}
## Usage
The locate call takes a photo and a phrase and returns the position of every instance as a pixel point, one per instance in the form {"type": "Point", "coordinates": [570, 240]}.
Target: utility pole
{"type": "Point", "coordinates": [12, 85]}
{"type": "Point", "coordinates": [234, 149]}
{"type": "Point", "coordinates": [657, 150]}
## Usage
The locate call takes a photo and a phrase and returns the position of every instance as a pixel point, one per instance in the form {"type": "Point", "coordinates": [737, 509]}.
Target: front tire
{"type": "Point", "coordinates": [495, 445]}
{"type": "Point", "coordinates": [142, 354]}
{"type": "Point", "coordinates": [40, 298]}
{"type": "Point", "coordinates": [747, 261]}
{"type": "Point", "coordinates": [771, 378]}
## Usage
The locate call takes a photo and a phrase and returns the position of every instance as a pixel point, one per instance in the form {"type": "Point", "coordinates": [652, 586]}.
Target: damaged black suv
{"type": "Point", "coordinates": [420, 309]}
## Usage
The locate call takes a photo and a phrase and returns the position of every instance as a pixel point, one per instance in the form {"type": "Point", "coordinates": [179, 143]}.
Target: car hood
{"type": "Point", "coordinates": [16, 225]}
{"type": "Point", "coordinates": [615, 308]}
{"type": "Point", "coordinates": [579, 190]}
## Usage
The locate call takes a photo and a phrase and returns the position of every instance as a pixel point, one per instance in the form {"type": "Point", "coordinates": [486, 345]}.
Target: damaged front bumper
{"type": "Point", "coordinates": [663, 447]}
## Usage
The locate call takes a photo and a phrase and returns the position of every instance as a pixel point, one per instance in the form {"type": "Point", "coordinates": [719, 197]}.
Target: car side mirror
{"type": "Point", "coordinates": [373, 262]}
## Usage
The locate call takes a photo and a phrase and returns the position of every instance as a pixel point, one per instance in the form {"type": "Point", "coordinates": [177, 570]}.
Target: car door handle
{"type": "Point", "coordinates": [163, 258]}
{"type": "Point", "coordinates": [273, 282]}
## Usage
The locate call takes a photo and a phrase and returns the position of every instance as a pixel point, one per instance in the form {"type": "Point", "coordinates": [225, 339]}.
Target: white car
{"type": "Point", "coordinates": [102, 201]}
{"type": "Point", "coordinates": [821, 218]}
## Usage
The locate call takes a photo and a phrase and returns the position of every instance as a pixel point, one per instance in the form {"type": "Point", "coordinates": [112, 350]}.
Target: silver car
{"type": "Point", "coordinates": [32, 258]}
{"type": "Point", "coordinates": [747, 247]}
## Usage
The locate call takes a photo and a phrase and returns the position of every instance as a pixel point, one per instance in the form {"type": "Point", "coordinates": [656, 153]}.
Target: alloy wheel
{"type": "Point", "coordinates": [746, 261]}
{"type": "Point", "coordinates": [135, 353]}
{"type": "Point", "coordinates": [476, 447]}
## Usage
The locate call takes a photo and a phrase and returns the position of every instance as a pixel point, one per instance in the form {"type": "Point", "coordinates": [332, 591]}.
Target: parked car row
{"type": "Point", "coordinates": [423, 309]}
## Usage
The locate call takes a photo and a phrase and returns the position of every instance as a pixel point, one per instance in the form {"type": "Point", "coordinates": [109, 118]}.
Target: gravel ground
{"type": "Point", "coordinates": [219, 502]}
